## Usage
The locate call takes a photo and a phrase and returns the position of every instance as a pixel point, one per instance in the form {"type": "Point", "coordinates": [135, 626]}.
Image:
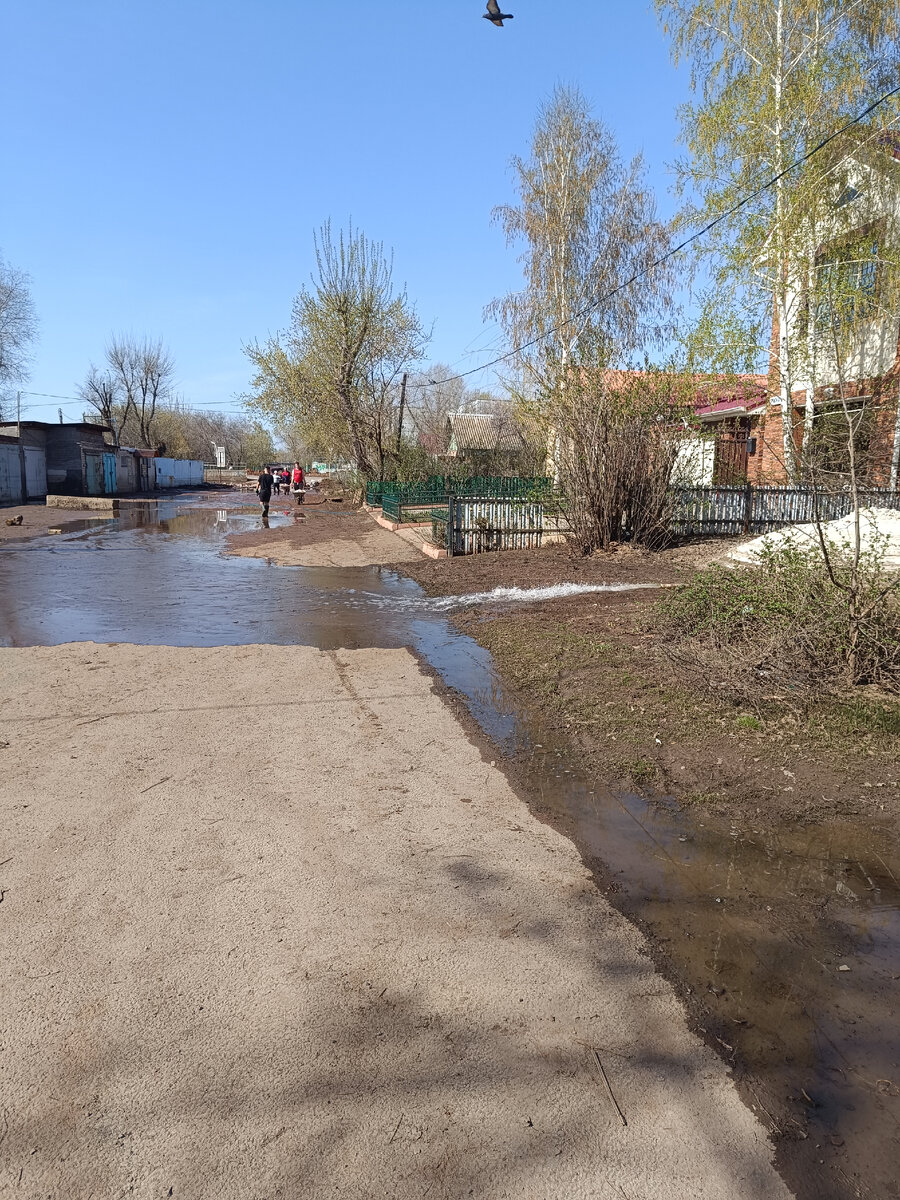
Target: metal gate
{"type": "Point", "coordinates": [109, 474]}
{"type": "Point", "coordinates": [35, 473]}
{"type": "Point", "coordinates": [93, 474]}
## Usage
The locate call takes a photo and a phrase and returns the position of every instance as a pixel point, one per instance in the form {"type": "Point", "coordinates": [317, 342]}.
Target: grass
{"type": "Point", "coordinates": [789, 620]}
{"type": "Point", "coordinates": [748, 721]}
{"type": "Point", "coordinates": [874, 723]}
{"type": "Point", "coordinates": [635, 715]}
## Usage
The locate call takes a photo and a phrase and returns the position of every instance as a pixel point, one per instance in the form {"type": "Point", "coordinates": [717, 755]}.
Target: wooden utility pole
{"type": "Point", "coordinates": [23, 470]}
{"type": "Point", "coordinates": [402, 403]}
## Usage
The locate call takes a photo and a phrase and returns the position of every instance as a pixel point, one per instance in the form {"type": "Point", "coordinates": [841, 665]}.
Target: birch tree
{"type": "Point", "coordinates": [771, 80]}
{"type": "Point", "coordinates": [587, 223]}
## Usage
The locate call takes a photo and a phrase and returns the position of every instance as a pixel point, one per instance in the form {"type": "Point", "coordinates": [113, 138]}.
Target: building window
{"type": "Point", "coordinates": [828, 448]}
{"type": "Point", "coordinates": [847, 284]}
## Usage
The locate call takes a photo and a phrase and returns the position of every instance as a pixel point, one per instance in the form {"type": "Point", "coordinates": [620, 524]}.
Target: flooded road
{"type": "Point", "coordinates": [788, 944]}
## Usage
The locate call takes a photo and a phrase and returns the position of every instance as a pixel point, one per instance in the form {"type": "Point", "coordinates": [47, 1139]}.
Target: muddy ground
{"type": "Point", "coordinates": [317, 947]}
{"type": "Point", "coordinates": [37, 519]}
{"type": "Point", "coordinates": [323, 533]}
{"type": "Point", "coordinates": [643, 718]}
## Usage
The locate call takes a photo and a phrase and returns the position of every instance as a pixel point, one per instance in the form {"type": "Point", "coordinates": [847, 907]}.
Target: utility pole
{"type": "Point", "coordinates": [402, 403]}
{"type": "Point", "coordinates": [23, 474]}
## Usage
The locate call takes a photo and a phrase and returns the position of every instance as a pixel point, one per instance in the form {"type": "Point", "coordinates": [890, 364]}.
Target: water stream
{"type": "Point", "coordinates": [714, 895]}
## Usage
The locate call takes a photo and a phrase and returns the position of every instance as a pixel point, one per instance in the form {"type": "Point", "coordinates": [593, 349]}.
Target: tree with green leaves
{"type": "Point", "coordinates": [335, 374]}
{"type": "Point", "coordinates": [771, 81]}
{"type": "Point", "coordinates": [587, 225]}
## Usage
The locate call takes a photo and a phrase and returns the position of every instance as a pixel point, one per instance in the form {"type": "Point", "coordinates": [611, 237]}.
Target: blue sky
{"type": "Point", "coordinates": [168, 162]}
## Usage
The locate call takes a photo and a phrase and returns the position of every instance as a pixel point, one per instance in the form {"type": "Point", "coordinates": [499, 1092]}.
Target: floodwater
{"type": "Point", "coordinates": [756, 925]}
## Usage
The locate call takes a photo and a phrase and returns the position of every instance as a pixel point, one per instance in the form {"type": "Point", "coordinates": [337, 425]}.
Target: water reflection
{"type": "Point", "coordinates": [755, 921]}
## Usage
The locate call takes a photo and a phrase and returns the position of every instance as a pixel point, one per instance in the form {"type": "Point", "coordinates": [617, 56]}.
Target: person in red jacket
{"type": "Point", "coordinates": [298, 483]}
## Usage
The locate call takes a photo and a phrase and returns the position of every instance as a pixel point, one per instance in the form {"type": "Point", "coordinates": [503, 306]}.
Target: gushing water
{"type": "Point", "coordinates": [517, 595]}
{"type": "Point", "coordinates": [498, 595]}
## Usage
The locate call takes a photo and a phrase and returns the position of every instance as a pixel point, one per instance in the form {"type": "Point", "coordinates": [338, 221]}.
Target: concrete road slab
{"type": "Point", "coordinates": [318, 948]}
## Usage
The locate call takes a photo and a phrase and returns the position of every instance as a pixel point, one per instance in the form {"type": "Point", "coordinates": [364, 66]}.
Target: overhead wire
{"type": "Point", "coordinates": [658, 262]}
{"type": "Point", "coordinates": [609, 295]}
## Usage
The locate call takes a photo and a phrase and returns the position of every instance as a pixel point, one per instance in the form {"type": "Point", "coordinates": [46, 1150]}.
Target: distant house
{"type": "Point", "coordinates": [481, 439]}
{"type": "Point", "coordinates": [728, 448]}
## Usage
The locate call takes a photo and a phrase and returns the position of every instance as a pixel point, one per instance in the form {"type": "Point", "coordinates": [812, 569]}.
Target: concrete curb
{"type": "Point", "coordinates": [85, 503]}
{"type": "Point", "coordinates": [403, 529]}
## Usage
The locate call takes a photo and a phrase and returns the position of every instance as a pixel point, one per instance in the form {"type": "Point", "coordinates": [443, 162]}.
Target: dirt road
{"type": "Point", "coordinates": [326, 535]}
{"type": "Point", "coordinates": [318, 948]}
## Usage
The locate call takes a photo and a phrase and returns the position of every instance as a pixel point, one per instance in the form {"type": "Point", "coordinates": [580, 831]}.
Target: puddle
{"type": "Point", "coordinates": [756, 924]}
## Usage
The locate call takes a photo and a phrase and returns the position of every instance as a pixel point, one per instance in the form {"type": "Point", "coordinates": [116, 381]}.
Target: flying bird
{"type": "Point", "coordinates": [494, 15]}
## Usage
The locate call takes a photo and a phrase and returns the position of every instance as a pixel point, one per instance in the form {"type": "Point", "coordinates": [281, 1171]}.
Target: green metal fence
{"type": "Point", "coordinates": [438, 488]}
{"type": "Point", "coordinates": [440, 521]}
{"type": "Point", "coordinates": [390, 508]}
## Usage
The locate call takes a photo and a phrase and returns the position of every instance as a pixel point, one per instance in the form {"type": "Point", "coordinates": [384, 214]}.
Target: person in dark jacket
{"type": "Point", "coordinates": [264, 489]}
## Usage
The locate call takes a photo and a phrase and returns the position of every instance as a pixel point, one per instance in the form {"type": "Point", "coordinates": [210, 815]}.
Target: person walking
{"type": "Point", "coordinates": [298, 482]}
{"type": "Point", "coordinates": [276, 479]}
{"type": "Point", "coordinates": [264, 489]}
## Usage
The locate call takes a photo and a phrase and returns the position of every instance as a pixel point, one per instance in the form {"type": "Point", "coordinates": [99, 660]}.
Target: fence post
{"type": "Point", "coordinates": [748, 506]}
{"type": "Point", "coordinates": [450, 524]}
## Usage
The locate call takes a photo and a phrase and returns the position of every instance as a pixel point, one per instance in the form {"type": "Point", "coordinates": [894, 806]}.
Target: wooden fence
{"type": "Point", "coordinates": [468, 525]}
{"type": "Point", "coordinates": [734, 510]}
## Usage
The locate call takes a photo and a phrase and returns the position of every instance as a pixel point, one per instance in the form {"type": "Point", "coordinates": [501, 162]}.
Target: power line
{"type": "Point", "coordinates": [675, 249]}
{"type": "Point", "coordinates": [51, 396]}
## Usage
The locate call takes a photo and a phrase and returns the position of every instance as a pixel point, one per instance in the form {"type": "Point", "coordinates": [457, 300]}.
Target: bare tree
{"type": "Point", "coordinates": [144, 371]}
{"type": "Point", "coordinates": [101, 390]}
{"type": "Point", "coordinates": [18, 325]}
{"type": "Point", "coordinates": [433, 394]}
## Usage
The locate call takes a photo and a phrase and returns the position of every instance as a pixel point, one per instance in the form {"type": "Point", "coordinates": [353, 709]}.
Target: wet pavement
{"type": "Point", "coordinates": [756, 926]}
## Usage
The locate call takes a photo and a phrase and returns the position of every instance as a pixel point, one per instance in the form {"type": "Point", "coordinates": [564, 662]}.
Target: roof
{"type": "Point", "coordinates": [482, 431]}
{"type": "Point", "coordinates": [57, 425]}
{"type": "Point", "coordinates": [739, 396]}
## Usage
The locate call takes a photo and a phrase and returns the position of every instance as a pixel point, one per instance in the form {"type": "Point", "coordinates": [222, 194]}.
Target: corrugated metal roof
{"type": "Point", "coordinates": [482, 431]}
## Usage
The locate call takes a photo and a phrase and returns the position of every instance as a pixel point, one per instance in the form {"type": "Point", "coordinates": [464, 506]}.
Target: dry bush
{"type": "Point", "coordinates": [617, 442]}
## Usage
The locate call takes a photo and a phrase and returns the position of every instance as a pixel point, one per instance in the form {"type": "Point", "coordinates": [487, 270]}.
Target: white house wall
{"type": "Point", "coordinates": [876, 351]}
{"type": "Point", "coordinates": [694, 462]}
